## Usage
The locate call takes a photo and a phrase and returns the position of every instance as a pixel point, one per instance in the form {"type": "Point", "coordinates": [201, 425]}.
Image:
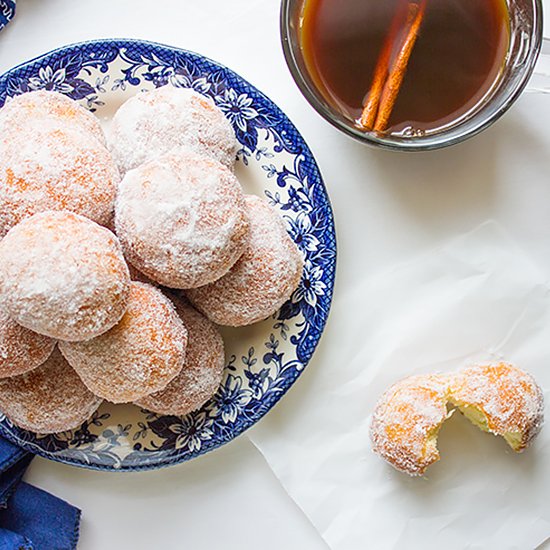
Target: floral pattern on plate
{"type": "Point", "coordinates": [263, 360]}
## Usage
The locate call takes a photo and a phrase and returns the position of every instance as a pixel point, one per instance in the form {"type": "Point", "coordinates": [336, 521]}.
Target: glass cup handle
{"type": "Point", "coordinates": [540, 81]}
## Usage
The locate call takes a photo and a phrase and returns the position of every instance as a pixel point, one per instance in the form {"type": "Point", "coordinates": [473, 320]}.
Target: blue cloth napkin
{"type": "Point", "coordinates": [31, 519]}
{"type": "Point", "coordinates": [7, 11]}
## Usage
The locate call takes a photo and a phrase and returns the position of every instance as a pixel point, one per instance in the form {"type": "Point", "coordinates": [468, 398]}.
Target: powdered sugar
{"type": "Point", "coordinates": [21, 350]}
{"type": "Point", "coordinates": [64, 276]}
{"type": "Point", "coordinates": [139, 356]}
{"type": "Point", "coordinates": [181, 219]}
{"type": "Point", "coordinates": [48, 165]}
{"type": "Point", "coordinates": [405, 417]}
{"type": "Point", "coordinates": [412, 410]}
{"type": "Point", "coordinates": [509, 397]}
{"type": "Point", "coordinates": [44, 106]}
{"type": "Point", "coordinates": [49, 399]}
{"type": "Point", "coordinates": [263, 278]}
{"type": "Point", "coordinates": [153, 123]}
{"type": "Point", "coordinates": [201, 375]}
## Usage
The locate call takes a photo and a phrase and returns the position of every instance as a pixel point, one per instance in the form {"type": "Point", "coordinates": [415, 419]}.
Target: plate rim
{"type": "Point", "coordinates": [273, 400]}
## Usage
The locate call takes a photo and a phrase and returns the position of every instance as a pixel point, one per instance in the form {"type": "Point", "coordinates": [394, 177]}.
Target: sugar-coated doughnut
{"type": "Point", "coordinates": [263, 278]}
{"type": "Point", "coordinates": [45, 104]}
{"type": "Point", "coordinates": [153, 123]}
{"type": "Point", "coordinates": [47, 165]}
{"type": "Point", "coordinates": [21, 349]}
{"type": "Point", "coordinates": [140, 277]}
{"type": "Point", "coordinates": [139, 356]}
{"type": "Point", "coordinates": [501, 399]}
{"type": "Point", "coordinates": [48, 399]}
{"type": "Point", "coordinates": [181, 219]}
{"type": "Point", "coordinates": [407, 419]}
{"type": "Point", "coordinates": [202, 373]}
{"type": "Point", "coordinates": [63, 276]}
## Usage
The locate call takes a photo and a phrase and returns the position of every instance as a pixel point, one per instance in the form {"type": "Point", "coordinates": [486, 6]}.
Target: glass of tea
{"type": "Point", "coordinates": [411, 74]}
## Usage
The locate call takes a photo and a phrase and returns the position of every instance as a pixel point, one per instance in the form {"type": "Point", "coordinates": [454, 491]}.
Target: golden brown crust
{"type": "Point", "coordinates": [501, 399]}
{"type": "Point", "coordinates": [49, 399]}
{"type": "Point", "coordinates": [261, 280]}
{"type": "Point", "coordinates": [509, 399]}
{"type": "Point", "coordinates": [53, 165]}
{"type": "Point", "coordinates": [47, 105]}
{"type": "Point", "coordinates": [21, 349]}
{"type": "Point", "coordinates": [202, 373]}
{"type": "Point", "coordinates": [405, 417]}
{"type": "Point", "coordinates": [139, 355]}
{"type": "Point", "coordinates": [63, 276]}
{"type": "Point", "coordinates": [151, 124]}
{"type": "Point", "coordinates": [181, 219]}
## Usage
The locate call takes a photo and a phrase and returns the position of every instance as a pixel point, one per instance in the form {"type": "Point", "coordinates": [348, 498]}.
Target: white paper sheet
{"type": "Point", "coordinates": [475, 299]}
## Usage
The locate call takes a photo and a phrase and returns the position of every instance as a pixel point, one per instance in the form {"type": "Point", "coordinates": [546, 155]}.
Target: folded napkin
{"type": "Point", "coordinates": [31, 519]}
{"type": "Point", "coordinates": [7, 11]}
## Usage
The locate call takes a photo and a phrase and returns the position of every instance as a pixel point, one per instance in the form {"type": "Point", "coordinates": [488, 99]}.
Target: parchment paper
{"type": "Point", "coordinates": [478, 298]}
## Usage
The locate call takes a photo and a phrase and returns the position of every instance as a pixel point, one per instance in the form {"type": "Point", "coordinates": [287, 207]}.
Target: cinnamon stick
{"type": "Point", "coordinates": [370, 108]}
{"type": "Point", "coordinates": [388, 76]}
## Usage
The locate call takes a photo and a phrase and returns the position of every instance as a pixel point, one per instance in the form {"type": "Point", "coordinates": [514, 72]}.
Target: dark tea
{"type": "Point", "coordinates": [418, 65]}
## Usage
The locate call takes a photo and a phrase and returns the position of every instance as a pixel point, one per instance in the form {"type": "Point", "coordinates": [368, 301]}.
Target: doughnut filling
{"type": "Point", "coordinates": [63, 276]}
{"type": "Point", "coordinates": [21, 349]}
{"type": "Point", "coordinates": [153, 123]}
{"type": "Point", "coordinates": [501, 399]}
{"type": "Point", "coordinates": [49, 399]}
{"type": "Point", "coordinates": [202, 373]}
{"type": "Point", "coordinates": [263, 278]}
{"type": "Point", "coordinates": [181, 219]}
{"type": "Point", "coordinates": [139, 355]}
{"type": "Point", "coordinates": [49, 164]}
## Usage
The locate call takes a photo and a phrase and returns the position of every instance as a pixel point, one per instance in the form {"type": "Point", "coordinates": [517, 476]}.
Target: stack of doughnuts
{"type": "Point", "coordinates": [94, 234]}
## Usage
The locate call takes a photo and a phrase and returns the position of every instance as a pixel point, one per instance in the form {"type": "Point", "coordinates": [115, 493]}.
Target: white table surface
{"type": "Point", "coordinates": [387, 206]}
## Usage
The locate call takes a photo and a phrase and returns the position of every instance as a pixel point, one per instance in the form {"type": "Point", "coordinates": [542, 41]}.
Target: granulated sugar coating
{"type": "Point", "coordinates": [139, 356]}
{"type": "Point", "coordinates": [153, 123]}
{"type": "Point", "coordinates": [49, 399]}
{"type": "Point", "coordinates": [63, 276]}
{"type": "Point", "coordinates": [510, 401]}
{"type": "Point", "coordinates": [138, 276]}
{"type": "Point", "coordinates": [21, 349]}
{"type": "Point", "coordinates": [406, 420]}
{"type": "Point", "coordinates": [181, 219]}
{"type": "Point", "coordinates": [263, 278]}
{"type": "Point", "coordinates": [46, 164]}
{"type": "Point", "coordinates": [43, 105]}
{"type": "Point", "coordinates": [202, 373]}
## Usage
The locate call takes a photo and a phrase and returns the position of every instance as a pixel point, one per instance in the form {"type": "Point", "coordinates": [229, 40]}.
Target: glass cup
{"type": "Point", "coordinates": [523, 51]}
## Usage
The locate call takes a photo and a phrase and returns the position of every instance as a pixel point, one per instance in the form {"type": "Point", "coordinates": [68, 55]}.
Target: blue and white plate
{"type": "Point", "coordinates": [7, 11]}
{"type": "Point", "coordinates": [263, 360]}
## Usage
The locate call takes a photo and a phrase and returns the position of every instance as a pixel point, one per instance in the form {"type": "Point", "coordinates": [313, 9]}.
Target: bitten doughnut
{"type": "Point", "coordinates": [406, 421]}
{"type": "Point", "coordinates": [153, 123]}
{"type": "Point", "coordinates": [263, 278]}
{"type": "Point", "coordinates": [44, 104]}
{"type": "Point", "coordinates": [49, 399]}
{"type": "Point", "coordinates": [181, 219]}
{"type": "Point", "coordinates": [501, 399]}
{"type": "Point", "coordinates": [48, 165]}
{"type": "Point", "coordinates": [138, 356]}
{"type": "Point", "coordinates": [202, 373]}
{"type": "Point", "coordinates": [63, 276]}
{"type": "Point", "coordinates": [21, 350]}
